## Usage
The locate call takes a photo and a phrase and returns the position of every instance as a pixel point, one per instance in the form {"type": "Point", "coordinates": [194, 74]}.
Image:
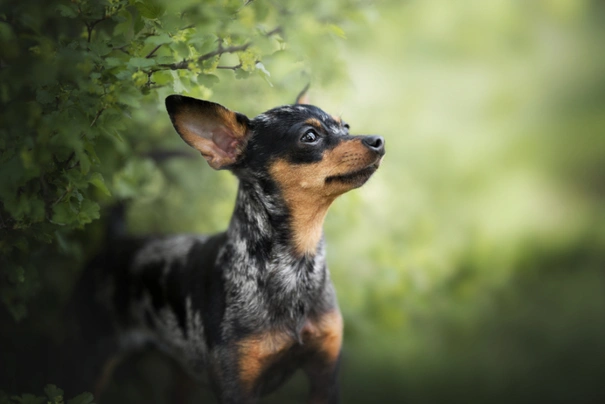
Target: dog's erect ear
{"type": "Point", "coordinates": [303, 96]}
{"type": "Point", "coordinates": [215, 131]}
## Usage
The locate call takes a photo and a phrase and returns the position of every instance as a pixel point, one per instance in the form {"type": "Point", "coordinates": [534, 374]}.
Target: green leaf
{"type": "Point", "coordinates": [207, 80]}
{"type": "Point", "coordinates": [113, 62]}
{"type": "Point", "coordinates": [54, 394]}
{"type": "Point", "coordinates": [6, 33]}
{"type": "Point", "coordinates": [139, 24]}
{"type": "Point", "coordinates": [69, 11]}
{"type": "Point", "coordinates": [15, 274]}
{"type": "Point", "coordinates": [162, 77]}
{"type": "Point", "coordinates": [141, 62]}
{"type": "Point", "coordinates": [124, 75]}
{"type": "Point", "coordinates": [177, 84]}
{"type": "Point", "coordinates": [156, 40]}
{"type": "Point", "coordinates": [63, 213]}
{"type": "Point", "coordinates": [336, 30]}
{"type": "Point", "coordinates": [84, 162]}
{"type": "Point", "coordinates": [181, 49]}
{"type": "Point", "coordinates": [62, 242]}
{"type": "Point", "coordinates": [150, 9]}
{"type": "Point", "coordinates": [130, 99]}
{"type": "Point", "coordinates": [97, 180]}
{"type": "Point", "coordinates": [76, 179]}
{"type": "Point", "coordinates": [241, 74]}
{"type": "Point", "coordinates": [164, 60]}
{"type": "Point", "coordinates": [100, 48]}
{"type": "Point", "coordinates": [88, 212]}
{"type": "Point", "coordinates": [19, 311]}
{"type": "Point", "coordinates": [264, 73]}
{"type": "Point", "coordinates": [84, 398]}
{"type": "Point", "coordinates": [90, 148]}
{"type": "Point", "coordinates": [36, 211]}
{"type": "Point", "coordinates": [78, 195]}
{"type": "Point", "coordinates": [44, 96]}
{"type": "Point", "coordinates": [124, 26]}
{"type": "Point", "coordinates": [28, 399]}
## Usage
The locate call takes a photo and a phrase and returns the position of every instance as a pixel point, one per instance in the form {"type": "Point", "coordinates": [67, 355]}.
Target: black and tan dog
{"type": "Point", "coordinates": [251, 305]}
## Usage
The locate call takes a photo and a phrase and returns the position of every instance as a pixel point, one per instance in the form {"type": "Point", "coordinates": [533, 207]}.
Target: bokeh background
{"type": "Point", "coordinates": [470, 268]}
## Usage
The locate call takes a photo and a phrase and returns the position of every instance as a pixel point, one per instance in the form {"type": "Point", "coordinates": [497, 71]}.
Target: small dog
{"type": "Point", "coordinates": [251, 305]}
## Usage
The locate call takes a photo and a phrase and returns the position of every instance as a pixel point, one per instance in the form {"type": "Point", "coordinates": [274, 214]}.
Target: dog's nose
{"type": "Point", "coordinates": [375, 143]}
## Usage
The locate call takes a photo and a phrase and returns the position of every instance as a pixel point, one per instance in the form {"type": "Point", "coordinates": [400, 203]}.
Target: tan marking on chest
{"type": "Point", "coordinates": [258, 352]}
{"type": "Point", "coordinates": [322, 336]}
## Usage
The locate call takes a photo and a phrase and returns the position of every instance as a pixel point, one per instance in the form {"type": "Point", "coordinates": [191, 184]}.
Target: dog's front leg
{"type": "Point", "coordinates": [232, 383]}
{"type": "Point", "coordinates": [322, 366]}
{"type": "Point", "coordinates": [323, 380]}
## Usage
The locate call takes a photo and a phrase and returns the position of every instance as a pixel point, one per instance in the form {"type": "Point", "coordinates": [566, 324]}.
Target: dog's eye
{"type": "Point", "coordinates": [309, 137]}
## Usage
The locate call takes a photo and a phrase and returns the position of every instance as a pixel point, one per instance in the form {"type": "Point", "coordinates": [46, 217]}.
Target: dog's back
{"type": "Point", "coordinates": [141, 291]}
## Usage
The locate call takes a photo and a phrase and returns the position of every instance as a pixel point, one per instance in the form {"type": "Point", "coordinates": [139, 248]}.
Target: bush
{"type": "Point", "coordinates": [75, 73]}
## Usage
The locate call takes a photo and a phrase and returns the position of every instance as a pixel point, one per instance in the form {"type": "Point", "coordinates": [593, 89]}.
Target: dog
{"type": "Point", "coordinates": [249, 306]}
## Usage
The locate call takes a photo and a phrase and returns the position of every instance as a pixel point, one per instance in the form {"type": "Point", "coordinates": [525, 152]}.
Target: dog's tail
{"type": "Point", "coordinates": [116, 229]}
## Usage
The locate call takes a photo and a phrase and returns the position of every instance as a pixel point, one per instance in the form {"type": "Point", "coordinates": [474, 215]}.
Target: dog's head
{"type": "Point", "coordinates": [300, 146]}
{"type": "Point", "coordinates": [307, 153]}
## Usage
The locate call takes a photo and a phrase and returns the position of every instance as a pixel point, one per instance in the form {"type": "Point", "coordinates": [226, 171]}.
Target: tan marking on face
{"type": "Point", "coordinates": [337, 119]}
{"type": "Point", "coordinates": [314, 122]}
{"type": "Point", "coordinates": [308, 196]}
{"type": "Point", "coordinates": [258, 352]}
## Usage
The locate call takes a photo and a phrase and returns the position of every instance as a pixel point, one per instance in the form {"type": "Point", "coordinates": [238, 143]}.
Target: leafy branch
{"type": "Point", "coordinates": [218, 52]}
{"type": "Point", "coordinates": [237, 66]}
{"type": "Point", "coordinates": [153, 51]}
{"type": "Point", "coordinates": [108, 13]}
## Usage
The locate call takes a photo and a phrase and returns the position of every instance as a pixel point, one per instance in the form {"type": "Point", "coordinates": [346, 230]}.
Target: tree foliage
{"type": "Point", "coordinates": [73, 74]}
{"type": "Point", "coordinates": [53, 395]}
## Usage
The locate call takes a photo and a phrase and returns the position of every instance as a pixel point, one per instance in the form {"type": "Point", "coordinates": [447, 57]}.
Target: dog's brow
{"type": "Point", "coordinates": [314, 122]}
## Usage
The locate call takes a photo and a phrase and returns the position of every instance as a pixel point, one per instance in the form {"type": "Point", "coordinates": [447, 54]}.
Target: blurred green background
{"type": "Point", "coordinates": [471, 267]}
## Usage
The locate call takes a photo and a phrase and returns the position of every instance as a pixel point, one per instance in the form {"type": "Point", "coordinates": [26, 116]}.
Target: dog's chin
{"type": "Point", "coordinates": [355, 178]}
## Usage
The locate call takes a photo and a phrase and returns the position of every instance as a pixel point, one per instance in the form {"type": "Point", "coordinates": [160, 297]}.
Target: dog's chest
{"type": "Point", "coordinates": [269, 358]}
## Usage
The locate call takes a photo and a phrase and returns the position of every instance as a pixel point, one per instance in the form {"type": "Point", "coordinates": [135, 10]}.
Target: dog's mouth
{"type": "Point", "coordinates": [358, 177]}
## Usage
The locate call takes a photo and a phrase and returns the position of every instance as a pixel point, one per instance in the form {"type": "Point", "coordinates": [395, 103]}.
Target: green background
{"type": "Point", "coordinates": [469, 268]}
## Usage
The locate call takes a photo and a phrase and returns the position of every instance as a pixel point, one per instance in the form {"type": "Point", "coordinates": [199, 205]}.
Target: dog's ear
{"type": "Point", "coordinates": [303, 96]}
{"type": "Point", "coordinates": [215, 131]}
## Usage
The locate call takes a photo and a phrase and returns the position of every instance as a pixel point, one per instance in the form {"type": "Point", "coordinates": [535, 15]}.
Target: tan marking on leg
{"type": "Point", "coordinates": [258, 352]}
{"type": "Point", "coordinates": [106, 374]}
{"type": "Point", "coordinates": [332, 331]}
{"type": "Point", "coordinates": [307, 194]}
{"type": "Point", "coordinates": [325, 335]}
{"type": "Point", "coordinates": [321, 368]}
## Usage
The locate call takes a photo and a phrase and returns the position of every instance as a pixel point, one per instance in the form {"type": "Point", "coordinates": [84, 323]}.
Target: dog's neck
{"type": "Point", "coordinates": [261, 218]}
{"type": "Point", "coordinates": [262, 271]}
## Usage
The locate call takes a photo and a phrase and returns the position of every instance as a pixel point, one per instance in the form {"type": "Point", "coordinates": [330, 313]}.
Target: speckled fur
{"type": "Point", "coordinates": [203, 299]}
